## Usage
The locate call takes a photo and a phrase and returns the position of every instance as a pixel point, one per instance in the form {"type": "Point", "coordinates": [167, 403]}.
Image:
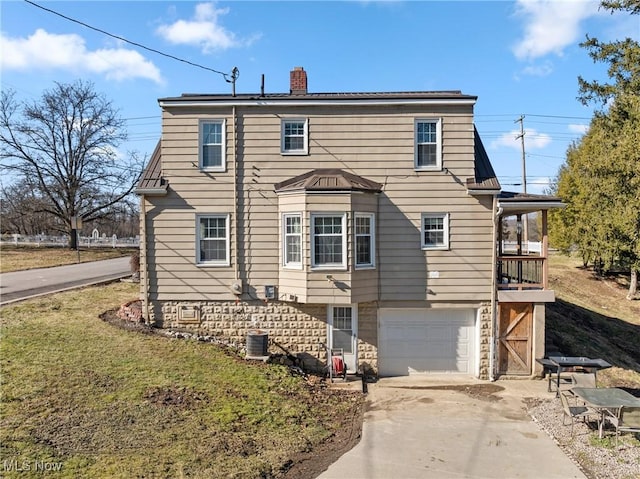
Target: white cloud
{"type": "Point", "coordinates": [203, 30]}
{"type": "Point", "coordinates": [551, 25]}
{"type": "Point", "coordinates": [532, 140]}
{"type": "Point", "coordinates": [44, 51]}
{"type": "Point", "coordinates": [578, 128]}
{"type": "Point", "coordinates": [541, 70]}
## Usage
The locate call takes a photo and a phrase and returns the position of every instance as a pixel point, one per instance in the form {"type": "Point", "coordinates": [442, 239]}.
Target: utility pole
{"type": "Point", "coordinates": [524, 164]}
{"type": "Point", "coordinates": [525, 223]}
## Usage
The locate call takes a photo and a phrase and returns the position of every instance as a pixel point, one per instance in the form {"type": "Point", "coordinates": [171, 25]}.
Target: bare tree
{"type": "Point", "coordinates": [66, 144]}
{"type": "Point", "coordinates": [22, 211]}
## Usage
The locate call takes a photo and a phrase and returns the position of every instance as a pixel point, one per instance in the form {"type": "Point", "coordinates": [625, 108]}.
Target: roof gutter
{"type": "Point", "coordinates": [162, 191]}
{"type": "Point", "coordinates": [509, 205]}
{"type": "Point", "coordinates": [481, 191]}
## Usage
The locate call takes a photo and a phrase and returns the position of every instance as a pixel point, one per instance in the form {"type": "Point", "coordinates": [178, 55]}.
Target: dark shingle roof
{"type": "Point", "coordinates": [407, 95]}
{"type": "Point", "coordinates": [525, 197]}
{"type": "Point", "coordinates": [328, 179]}
{"type": "Point", "coordinates": [152, 181]}
{"type": "Point", "coordinates": [484, 175]}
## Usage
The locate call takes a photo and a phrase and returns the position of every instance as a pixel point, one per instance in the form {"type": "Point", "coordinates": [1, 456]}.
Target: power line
{"type": "Point", "coordinates": [141, 118]}
{"type": "Point", "coordinates": [226, 76]}
{"type": "Point", "coordinates": [559, 116]}
{"type": "Point", "coordinates": [532, 114]}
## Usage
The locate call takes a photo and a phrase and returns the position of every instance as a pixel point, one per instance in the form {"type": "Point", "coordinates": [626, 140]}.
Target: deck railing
{"type": "Point", "coordinates": [521, 272]}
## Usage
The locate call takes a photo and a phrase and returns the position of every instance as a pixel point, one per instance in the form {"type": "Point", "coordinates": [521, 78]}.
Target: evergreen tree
{"type": "Point", "coordinates": [601, 180]}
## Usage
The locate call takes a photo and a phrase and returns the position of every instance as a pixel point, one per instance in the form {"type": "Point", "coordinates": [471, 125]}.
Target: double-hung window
{"type": "Point", "coordinates": [295, 136]}
{"type": "Point", "coordinates": [428, 144]}
{"type": "Point", "coordinates": [435, 231]}
{"type": "Point", "coordinates": [212, 145]}
{"type": "Point", "coordinates": [213, 240]}
{"type": "Point", "coordinates": [329, 240]}
{"type": "Point", "coordinates": [292, 240]}
{"type": "Point", "coordinates": [364, 231]}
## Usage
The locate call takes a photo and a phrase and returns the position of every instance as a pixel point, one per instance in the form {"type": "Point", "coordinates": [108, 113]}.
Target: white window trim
{"type": "Point", "coordinates": [332, 266]}
{"type": "Point", "coordinates": [372, 235]}
{"type": "Point", "coordinates": [285, 264]}
{"type": "Point", "coordinates": [305, 149]}
{"type": "Point", "coordinates": [223, 166]}
{"type": "Point", "coordinates": [227, 262]}
{"type": "Point", "coordinates": [438, 165]}
{"type": "Point", "coordinates": [445, 217]}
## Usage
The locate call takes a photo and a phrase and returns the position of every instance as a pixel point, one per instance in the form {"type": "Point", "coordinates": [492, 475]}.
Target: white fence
{"type": "Point", "coordinates": [528, 247]}
{"type": "Point", "coordinates": [93, 241]}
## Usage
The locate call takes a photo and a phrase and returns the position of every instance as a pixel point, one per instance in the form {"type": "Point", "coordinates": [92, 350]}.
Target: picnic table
{"type": "Point", "coordinates": [563, 363]}
{"type": "Point", "coordinates": [605, 399]}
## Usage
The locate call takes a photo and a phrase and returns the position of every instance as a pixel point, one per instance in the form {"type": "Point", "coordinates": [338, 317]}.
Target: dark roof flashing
{"type": "Point", "coordinates": [484, 180]}
{"type": "Point", "coordinates": [152, 183]}
{"type": "Point", "coordinates": [327, 180]}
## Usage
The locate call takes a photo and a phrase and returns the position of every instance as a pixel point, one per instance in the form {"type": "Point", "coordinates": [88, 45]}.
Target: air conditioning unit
{"type": "Point", "coordinates": [236, 287]}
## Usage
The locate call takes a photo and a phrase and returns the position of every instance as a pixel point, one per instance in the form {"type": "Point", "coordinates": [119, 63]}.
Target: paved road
{"type": "Point", "coordinates": [37, 282]}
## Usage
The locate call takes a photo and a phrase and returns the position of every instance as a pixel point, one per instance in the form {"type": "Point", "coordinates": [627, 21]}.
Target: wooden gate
{"type": "Point", "coordinates": [515, 334]}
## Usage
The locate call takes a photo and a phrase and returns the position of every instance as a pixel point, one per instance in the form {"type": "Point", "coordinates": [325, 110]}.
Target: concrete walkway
{"type": "Point", "coordinates": [412, 430]}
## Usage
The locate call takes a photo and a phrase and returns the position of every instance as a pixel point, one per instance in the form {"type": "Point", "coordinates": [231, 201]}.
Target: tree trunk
{"type": "Point", "coordinates": [633, 285]}
{"type": "Point", "coordinates": [73, 239]}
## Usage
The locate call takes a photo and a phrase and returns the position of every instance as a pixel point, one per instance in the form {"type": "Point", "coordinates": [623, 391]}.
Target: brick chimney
{"type": "Point", "coordinates": [298, 81]}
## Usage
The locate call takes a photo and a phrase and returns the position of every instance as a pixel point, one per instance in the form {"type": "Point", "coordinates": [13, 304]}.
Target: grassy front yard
{"type": "Point", "coordinates": [105, 402]}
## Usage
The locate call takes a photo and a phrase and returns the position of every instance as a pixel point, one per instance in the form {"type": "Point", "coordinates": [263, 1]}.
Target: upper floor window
{"type": "Point", "coordinates": [213, 240]}
{"type": "Point", "coordinates": [329, 240]}
{"type": "Point", "coordinates": [428, 148]}
{"type": "Point", "coordinates": [292, 240]}
{"type": "Point", "coordinates": [435, 231]}
{"type": "Point", "coordinates": [364, 230]}
{"type": "Point", "coordinates": [295, 136]}
{"type": "Point", "coordinates": [212, 147]}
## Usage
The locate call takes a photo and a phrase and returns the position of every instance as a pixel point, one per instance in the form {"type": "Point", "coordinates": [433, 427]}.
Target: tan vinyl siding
{"type": "Point", "coordinates": [377, 144]}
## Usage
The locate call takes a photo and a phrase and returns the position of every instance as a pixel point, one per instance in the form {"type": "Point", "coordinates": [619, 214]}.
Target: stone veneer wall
{"type": "Point", "coordinates": [368, 337]}
{"type": "Point", "coordinates": [485, 340]}
{"type": "Point", "coordinates": [299, 328]}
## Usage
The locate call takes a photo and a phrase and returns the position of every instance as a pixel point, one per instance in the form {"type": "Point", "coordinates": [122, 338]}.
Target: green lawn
{"type": "Point", "coordinates": [105, 402]}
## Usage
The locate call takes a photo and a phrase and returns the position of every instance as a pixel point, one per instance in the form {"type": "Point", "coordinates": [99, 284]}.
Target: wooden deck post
{"type": "Point", "coordinates": [545, 251]}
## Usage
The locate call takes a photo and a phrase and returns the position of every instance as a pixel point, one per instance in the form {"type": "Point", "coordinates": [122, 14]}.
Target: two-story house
{"type": "Point", "coordinates": [362, 221]}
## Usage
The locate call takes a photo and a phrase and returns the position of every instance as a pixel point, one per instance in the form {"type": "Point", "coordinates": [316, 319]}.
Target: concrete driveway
{"type": "Point", "coordinates": [425, 428]}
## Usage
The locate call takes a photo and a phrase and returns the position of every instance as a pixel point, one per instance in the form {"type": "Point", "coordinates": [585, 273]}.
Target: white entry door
{"type": "Point", "coordinates": [343, 332]}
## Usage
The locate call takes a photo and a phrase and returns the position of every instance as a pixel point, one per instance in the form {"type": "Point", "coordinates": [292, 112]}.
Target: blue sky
{"type": "Point", "coordinates": [518, 57]}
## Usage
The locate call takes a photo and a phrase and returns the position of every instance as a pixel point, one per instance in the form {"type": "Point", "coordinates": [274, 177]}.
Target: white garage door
{"type": "Point", "coordinates": [419, 341]}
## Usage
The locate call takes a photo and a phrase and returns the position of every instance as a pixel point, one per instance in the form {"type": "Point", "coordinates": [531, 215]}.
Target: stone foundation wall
{"type": "Point", "coordinates": [298, 329]}
{"type": "Point", "coordinates": [485, 340]}
{"type": "Point", "coordinates": [368, 337]}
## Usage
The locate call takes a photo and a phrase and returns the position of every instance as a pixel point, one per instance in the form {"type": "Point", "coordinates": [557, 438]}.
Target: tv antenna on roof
{"type": "Point", "coordinates": [235, 74]}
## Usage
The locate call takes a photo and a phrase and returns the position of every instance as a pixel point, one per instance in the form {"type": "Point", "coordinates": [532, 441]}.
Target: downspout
{"type": "Point", "coordinates": [145, 282]}
{"type": "Point", "coordinates": [494, 289]}
{"type": "Point", "coordinates": [236, 262]}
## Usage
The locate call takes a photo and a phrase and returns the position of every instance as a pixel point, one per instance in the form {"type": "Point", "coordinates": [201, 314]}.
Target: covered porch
{"type": "Point", "coordinates": [522, 280]}
{"type": "Point", "coordinates": [523, 241]}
